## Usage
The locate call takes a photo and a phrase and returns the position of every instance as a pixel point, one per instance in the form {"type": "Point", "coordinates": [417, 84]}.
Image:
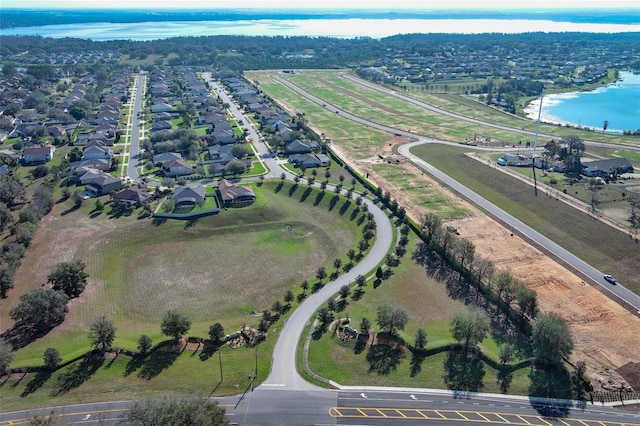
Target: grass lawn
{"type": "Point", "coordinates": [431, 308]}
{"type": "Point", "coordinates": [126, 377]}
{"type": "Point", "coordinates": [138, 269]}
{"type": "Point", "coordinates": [387, 109]}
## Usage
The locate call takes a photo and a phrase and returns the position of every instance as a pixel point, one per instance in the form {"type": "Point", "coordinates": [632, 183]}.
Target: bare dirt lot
{"type": "Point", "coordinates": [606, 336]}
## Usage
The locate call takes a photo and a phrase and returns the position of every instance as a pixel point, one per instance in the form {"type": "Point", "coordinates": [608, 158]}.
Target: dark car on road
{"type": "Point", "coordinates": [610, 279]}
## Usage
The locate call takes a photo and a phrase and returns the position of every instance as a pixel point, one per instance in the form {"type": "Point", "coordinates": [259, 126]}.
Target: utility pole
{"type": "Point", "coordinates": [535, 144]}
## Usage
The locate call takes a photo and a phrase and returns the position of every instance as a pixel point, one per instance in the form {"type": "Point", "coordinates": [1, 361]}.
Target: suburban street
{"type": "Point", "coordinates": [137, 133]}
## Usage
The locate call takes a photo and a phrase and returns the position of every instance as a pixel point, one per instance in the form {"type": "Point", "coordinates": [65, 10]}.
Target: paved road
{"type": "Point", "coordinates": [134, 148]}
{"type": "Point", "coordinates": [368, 406]}
{"type": "Point", "coordinates": [618, 291]}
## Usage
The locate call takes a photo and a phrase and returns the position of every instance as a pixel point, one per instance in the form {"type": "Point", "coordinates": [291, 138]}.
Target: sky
{"type": "Point", "coordinates": [325, 4]}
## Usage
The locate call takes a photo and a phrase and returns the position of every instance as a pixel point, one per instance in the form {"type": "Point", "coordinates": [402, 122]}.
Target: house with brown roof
{"type": "Point", "coordinates": [235, 195]}
{"type": "Point", "coordinates": [135, 195]}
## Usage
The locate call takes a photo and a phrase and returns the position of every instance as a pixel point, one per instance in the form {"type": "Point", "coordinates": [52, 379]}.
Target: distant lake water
{"type": "Point", "coordinates": [343, 28]}
{"type": "Point", "coordinates": [618, 103]}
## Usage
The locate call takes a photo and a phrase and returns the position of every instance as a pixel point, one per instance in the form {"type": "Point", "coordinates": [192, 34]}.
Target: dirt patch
{"type": "Point", "coordinates": [631, 372]}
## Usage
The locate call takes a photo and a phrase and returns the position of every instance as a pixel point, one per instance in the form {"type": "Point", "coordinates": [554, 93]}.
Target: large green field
{"type": "Point", "coordinates": [390, 110]}
{"type": "Point", "coordinates": [226, 268]}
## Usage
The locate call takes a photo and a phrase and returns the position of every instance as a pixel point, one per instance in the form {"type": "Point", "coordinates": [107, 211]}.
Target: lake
{"type": "Point", "coordinates": [617, 103]}
{"type": "Point", "coordinates": [343, 28]}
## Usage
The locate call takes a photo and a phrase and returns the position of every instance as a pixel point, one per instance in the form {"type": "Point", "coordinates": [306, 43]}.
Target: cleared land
{"type": "Point", "coordinates": [591, 314]}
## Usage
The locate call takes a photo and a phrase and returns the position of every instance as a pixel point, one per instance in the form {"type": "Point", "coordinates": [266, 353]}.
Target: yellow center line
{"type": "Point", "coordinates": [422, 414]}
{"type": "Point", "coordinates": [363, 413]}
{"type": "Point", "coordinates": [400, 412]}
{"type": "Point", "coordinates": [461, 415]}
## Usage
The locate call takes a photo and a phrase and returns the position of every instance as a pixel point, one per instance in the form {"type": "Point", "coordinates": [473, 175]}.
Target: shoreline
{"type": "Point", "coordinates": [531, 109]}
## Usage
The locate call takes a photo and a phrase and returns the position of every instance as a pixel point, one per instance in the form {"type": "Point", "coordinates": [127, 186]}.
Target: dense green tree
{"type": "Point", "coordinates": [421, 339]}
{"type": "Point", "coordinates": [325, 316]}
{"type": "Point", "coordinates": [551, 339]}
{"type": "Point", "coordinates": [51, 358]}
{"type": "Point", "coordinates": [288, 297]}
{"type": "Point", "coordinates": [574, 144]}
{"type": "Point", "coordinates": [25, 232]}
{"type": "Point", "coordinates": [277, 307]}
{"type": "Point", "coordinates": [144, 344]}
{"type": "Point", "coordinates": [6, 218]}
{"type": "Point", "coordinates": [332, 305]}
{"type": "Point", "coordinates": [8, 70]}
{"type": "Point", "coordinates": [365, 325]}
{"type": "Point", "coordinates": [506, 353]}
{"type": "Point", "coordinates": [392, 318]}
{"type": "Point", "coordinates": [235, 167]}
{"type": "Point", "coordinates": [337, 263]}
{"type": "Point", "coordinates": [6, 281]}
{"type": "Point", "coordinates": [12, 191]}
{"type": "Point", "coordinates": [78, 112]}
{"type": "Point", "coordinates": [216, 332]}
{"type": "Point", "coordinates": [469, 327]}
{"type": "Point", "coordinates": [527, 300]}
{"type": "Point", "coordinates": [321, 273]}
{"type": "Point", "coordinates": [505, 286]}
{"type": "Point", "coordinates": [430, 225]}
{"type": "Point", "coordinates": [178, 411]}
{"type": "Point", "coordinates": [175, 324]}
{"type": "Point", "coordinates": [102, 332]}
{"type": "Point", "coordinates": [40, 309]}
{"type": "Point", "coordinates": [344, 292]}
{"type": "Point", "coordinates": [240, 150]}
{"type": "Point", "coordinates": [69, 277]}
{"type": "Point", "coordinates": [361, 281]}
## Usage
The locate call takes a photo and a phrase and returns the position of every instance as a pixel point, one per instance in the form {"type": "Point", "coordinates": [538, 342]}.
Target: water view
{"type": "Point", "coordinates": [344, 28]}
{"type": "Point", "coordinates": [618, 104]}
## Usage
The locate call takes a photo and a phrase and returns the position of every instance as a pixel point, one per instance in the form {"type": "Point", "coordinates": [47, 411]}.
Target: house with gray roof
{"type": "Point", "coordinates": [189, 196]}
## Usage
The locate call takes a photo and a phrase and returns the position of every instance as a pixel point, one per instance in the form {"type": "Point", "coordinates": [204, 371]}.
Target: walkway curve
{"type": "Point", "coordinates": [283, 371]}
